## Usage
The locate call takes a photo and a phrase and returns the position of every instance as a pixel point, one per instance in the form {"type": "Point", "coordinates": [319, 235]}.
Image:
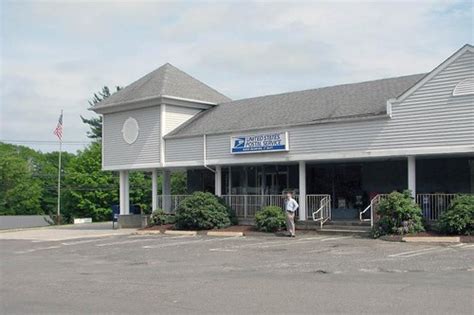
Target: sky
{"type": "Point", "coordinates": [56, 54]}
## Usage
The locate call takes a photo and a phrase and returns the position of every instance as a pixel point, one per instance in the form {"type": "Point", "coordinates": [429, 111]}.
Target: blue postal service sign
{"type": "Point", "coordinates": [267, 142]}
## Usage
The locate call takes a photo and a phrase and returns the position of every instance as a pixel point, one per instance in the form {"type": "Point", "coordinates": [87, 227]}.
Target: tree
{"type": "Point", "coordinates": [89, 191]}
{"type": "Point", "coordinates": [20, 193]}
{"type": "Point", "coordinates": [95, 123]}
{"type": "Point", "coordinates": [47, 172]}
{"type": "Point", "coordinates": [42, 169]}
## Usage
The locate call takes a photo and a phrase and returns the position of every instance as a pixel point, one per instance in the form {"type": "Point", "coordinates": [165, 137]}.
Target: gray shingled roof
{"type": "Point", "coordinates": [335, 102]}
{"type": "Point", "coordinates": [167, 80]}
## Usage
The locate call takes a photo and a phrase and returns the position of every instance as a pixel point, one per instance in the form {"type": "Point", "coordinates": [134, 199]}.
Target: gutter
{"type": "Point", "coordinates": [205, 154]}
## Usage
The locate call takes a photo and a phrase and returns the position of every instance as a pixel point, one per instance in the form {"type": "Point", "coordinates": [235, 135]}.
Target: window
{"type": "Point", "coordinates": [465, 87]}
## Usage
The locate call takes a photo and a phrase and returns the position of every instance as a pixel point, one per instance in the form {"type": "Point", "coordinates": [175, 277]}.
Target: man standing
{"type": "Point", "coordinates": [290, 207]}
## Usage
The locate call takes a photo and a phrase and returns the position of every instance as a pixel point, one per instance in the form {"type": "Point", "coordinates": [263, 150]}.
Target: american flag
{"type": "Point", "coordinates": [59, 128]}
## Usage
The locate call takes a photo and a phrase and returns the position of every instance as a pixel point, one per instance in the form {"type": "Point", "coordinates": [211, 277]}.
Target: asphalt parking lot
{"type": "Point", "coordinates": [123, 273]}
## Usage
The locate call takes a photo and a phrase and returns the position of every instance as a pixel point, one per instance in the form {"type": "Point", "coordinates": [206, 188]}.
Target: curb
{"type": "Point", "coordinates": [147, 232]}
{"type": "Point", "coordinates": [224, 233]}
{"type": "Point", "coordinates": [177, 232]}
{"type": "Point", "coordinates": [439, 239]}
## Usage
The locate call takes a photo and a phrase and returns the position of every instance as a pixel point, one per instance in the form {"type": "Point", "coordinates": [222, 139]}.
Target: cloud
{"type": "Point", "coordinates": [56, 54]}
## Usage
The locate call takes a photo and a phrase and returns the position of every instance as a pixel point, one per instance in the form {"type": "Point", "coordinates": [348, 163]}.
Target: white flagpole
{"type": "Point", "coordinates": [59, 173]}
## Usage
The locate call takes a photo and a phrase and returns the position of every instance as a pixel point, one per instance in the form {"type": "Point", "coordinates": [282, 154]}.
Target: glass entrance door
{"type": "Point", "coordinates": [272, 180]}
{"type": "Point", "coordinates": [344, 183]}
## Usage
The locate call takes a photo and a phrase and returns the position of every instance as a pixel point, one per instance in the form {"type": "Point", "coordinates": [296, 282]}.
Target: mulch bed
{"type": "Point", "coordinates": [160, 228]}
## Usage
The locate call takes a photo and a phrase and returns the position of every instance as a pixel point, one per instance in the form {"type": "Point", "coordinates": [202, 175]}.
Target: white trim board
{"type": "Point", "coordinates": [445, 150]}
{"type": "Point", "coordinates": [152, 101]}
{"type": "Point", "coordinates": [435, 71]}
{"type": "Point", "coordinates": [162, 134]}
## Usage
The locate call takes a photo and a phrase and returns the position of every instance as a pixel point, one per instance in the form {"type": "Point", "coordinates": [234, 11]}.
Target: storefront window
{"type": "Point", "coordinates": [260, 179]}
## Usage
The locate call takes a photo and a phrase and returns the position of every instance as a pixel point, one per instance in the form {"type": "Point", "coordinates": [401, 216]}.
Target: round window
{"type": "Point", "coordinates": [130, 130]}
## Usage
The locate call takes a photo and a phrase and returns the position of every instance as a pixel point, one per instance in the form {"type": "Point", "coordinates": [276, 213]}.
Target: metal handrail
{"type": "Point", "coordinates": [364, 211]}
{"type": "Point", "coordinates": [320, 209]}
{"type": "Point", "coordinates": [325, 202]}
{"type": "Point", "coordinates": [371, 206]}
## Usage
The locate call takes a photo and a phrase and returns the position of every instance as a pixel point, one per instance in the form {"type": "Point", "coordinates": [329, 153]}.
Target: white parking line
{"type": "Point", "coordinates": [412, 252]}
{"type": "Point", "coordinates": [438, 250]}
{"type": "Point", "coordinates": [430, 250]}
{"type": "Point", "coordinates": [36, 249]}
{"type": "Point", "coordinates": [269, 244]}
{"type": "Point", "coordinates": [296, 242]}
{"type": "Point", "coordinates": [82, 242]}
{"type": "Point", "coordinates": [145, 238]}
{"type": "Point", "coordinates": [190, 242]}
{"type": "Point", "coordinates": [335, 238]}
{"type": "Point", "coordinates": [127, 242]}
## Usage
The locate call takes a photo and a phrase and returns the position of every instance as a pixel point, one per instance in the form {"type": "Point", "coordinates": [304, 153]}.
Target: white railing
{"type": "Point", "coordinates": [245, 206]}
{"type": "Point", "coordinates": [313, 203]}
{"type": "Point", "coordinates": [433, 205]}
{"type": "Point", "coordinates": [372, 209]}
{"type": "Point", "coordinates": [323, 213]}
{"type": "Point", "coordinates": [173, 200]}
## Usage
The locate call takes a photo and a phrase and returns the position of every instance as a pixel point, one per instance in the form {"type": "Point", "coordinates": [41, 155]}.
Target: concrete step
{"type": "Point", "coordinates": [331, 231]}
{"type": "Point", "coordinates": [337, 227]}
{"type": "Point", "coordinates": [345, 227]}
{"type": "Point", "coordinates": [334, 224]}
{"type": "Point", "coordinates": [348, 223]}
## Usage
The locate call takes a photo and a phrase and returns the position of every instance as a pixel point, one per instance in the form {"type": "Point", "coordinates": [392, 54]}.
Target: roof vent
{"type": "Point", "coordinates": [465, 87]}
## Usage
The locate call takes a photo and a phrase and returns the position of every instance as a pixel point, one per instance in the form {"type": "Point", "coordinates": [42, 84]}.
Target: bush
{"type": "Point", "coordinates": [232, 215]}
{"type": "Point", "coordinates": [398, 214]}
{"type": "Point", "coordinates": [202, 211]}
{"type": "Point", "coordinates": [159, 217]}
{"type": "Point", "coordinates": [270, 219]}
{"type": "Point", "coordinates": [459, 218]}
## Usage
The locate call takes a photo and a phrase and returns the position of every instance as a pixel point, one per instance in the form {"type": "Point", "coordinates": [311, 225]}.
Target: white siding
{"type": "Point", "coordinates": [177, 115]}
{"type": "Point", "coordinates": [188, 149]}
{"type": "Point", "coordinates": [430, 118]}
{"type": "Point", "coordinates": [117, 154]}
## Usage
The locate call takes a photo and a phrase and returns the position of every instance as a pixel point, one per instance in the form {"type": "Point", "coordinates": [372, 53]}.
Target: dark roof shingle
{"type": "Point", "coordinates": [167, 80]}
{"type": "Point", "coordinates": [335, 102]}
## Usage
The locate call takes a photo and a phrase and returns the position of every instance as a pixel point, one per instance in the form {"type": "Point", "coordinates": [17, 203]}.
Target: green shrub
{"type": "Point", "coordinates": [232, 215]}
{"type": "Point", "coordinates": [159, 217]}
{"type": "Point", "coordinates": [398, 214]}
{"type": "Point", "coordinates": [459, 218]}
{"type": "Point", "coordinates": [202, 211]}
{"type": "Point", "coordinates": [270, 219]}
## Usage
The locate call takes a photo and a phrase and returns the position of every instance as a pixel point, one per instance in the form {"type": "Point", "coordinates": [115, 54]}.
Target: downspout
{"type": "Point", "coordinates": [205, 154]}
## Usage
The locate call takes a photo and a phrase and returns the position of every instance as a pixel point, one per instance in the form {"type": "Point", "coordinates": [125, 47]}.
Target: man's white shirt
{"type": "Point", "coordinates": [291, 205]}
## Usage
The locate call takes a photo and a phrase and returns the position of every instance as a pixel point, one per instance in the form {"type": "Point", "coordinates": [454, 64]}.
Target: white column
{"type": "Point", "coordinates": [412, 175]}
{"type": "Point", "coordinates": [124, 193]}
{"type": "Point", "coordinates": [302, 188]}
{"type": "Point", "coordinates": [166, 190]}
{"type": "Point", "coordinates": [154, 190]}
{"type": "Point", "coordinates": [230, 181]}
{"type": "Point", "coordinates": [218, 181]}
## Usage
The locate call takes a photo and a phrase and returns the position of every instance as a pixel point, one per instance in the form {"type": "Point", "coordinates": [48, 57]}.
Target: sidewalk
{"type": "Point", "coordinates": [64, 232]}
